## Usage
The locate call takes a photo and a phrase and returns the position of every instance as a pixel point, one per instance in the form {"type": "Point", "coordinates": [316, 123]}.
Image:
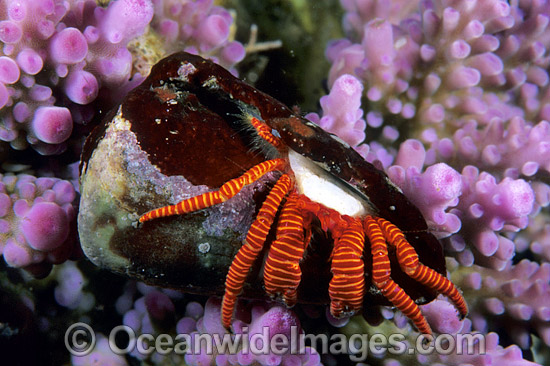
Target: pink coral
{"type": "Point", "coordinates": [519, 294]}
{"type": "Point", "coordinates": [342, 113]}
{"type": "Point", "coordinates": [70, 46]}
{"type": "Point", "coordinates": [197, 27]}
{"type": "Point", "coordinates": [37, 220]}
{"type": "Point", "coordinates": [64, 54]}
{"type": "Point", "coordinates": [433, 191]}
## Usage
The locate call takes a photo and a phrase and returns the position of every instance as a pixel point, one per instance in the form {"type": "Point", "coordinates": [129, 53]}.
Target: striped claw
{"type": "Point", "coordinates": [252, 246]}
{"type": "Point", "coordinates": [347, 286]}
{"type": "Point", "coordinates": [381, 277]}
{"type": "Point", "coordinates": [226, 191]}
{"type": "Point", "coordinates": [382, 233]}
{"type": "Point", "coordinates": [409, 263]}
{"type": "Point", "coordinates": [282, 273]}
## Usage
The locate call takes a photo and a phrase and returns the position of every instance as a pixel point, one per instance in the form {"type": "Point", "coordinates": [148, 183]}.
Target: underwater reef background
{"type": "Point", "coordinates": [450, 98]}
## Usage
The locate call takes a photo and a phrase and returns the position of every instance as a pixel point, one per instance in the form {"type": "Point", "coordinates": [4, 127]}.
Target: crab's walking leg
{"type": "Point", "coordinates": [264, 132]}
{"type": "Point", "coordinates": [347, 286]}
{"type": "Point", "coordinates": [226, 191]}
{"type": "Point", "coordinates": [381, 277]}
{"type": "Point", "coordinates": [282, 273]}
{"type": "Point", "coordinates": [409, 263]}
{"type": "Point", "coordinates": [251, 247]}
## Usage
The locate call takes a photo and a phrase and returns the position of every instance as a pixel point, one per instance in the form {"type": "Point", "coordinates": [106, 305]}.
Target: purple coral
{"type": "Point", "coordinates": [197, 27]}
{"type": "Point", "coordinates": [395, 51]}
{"type": "Point", "coordinates": [491, 354]}
{"type": "Point", "coordinates": [488, 207]}
{"type": "Point", "coordinates": [150, 312]}
{"type": "Point", "coordinates": [54, 48]}
{"type": "Point", "coordinates": [473, 202]}
{"type": "Point", "coordinates": [474, 43]}
{"type": "Point", "coordinates": [274, 321]}
{"type": "Point", "coordinates": [467, 81]}
{"type": "Point", "coordinates": [126, 19]}
{"type": "Point", "coordinates": [433, 191]}
{"type": "Point", "coordinates": [479, 65]}
{"type": "Point", "coordinates": [59, 56]}
{"type": "Point", "coordinates": [52, 125]}
{"type": "Point", "coordinates": [101, 355]}
{"type": "Point", "coordinates": [515, 147]}
{"type": "Point", "coordinates": [69, 291]}
{"type": "Point", "coordinates": [520, 293]}
{"type": "Point", "coordinates": [342, 113]}
{"type": "Point", "coordinates": [37, 217]}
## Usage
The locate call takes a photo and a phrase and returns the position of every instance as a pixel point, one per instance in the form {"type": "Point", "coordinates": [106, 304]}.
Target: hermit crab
{"type": "Point", "coordinates": [379, 242]}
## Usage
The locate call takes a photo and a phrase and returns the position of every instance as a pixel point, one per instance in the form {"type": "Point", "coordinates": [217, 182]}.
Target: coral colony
{"type": "Point", "coordinates": [451, 98]}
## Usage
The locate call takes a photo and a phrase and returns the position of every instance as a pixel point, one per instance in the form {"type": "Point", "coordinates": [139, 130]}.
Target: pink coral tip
{"type": "Point", "coordinates": [29, 61]}
{"type": "Point", "coordinates": [487, 63]}
{"type": "Point", "coordinates": [126, 19]}
{"type": "Point", "coordinates": [21, 112]}
{"type": "Point", "coordinates": [10, 32]}
{"type": "Point", "coordinates": [443, 182]}
{"type": "Point", "coordinates": [463, 77]}
{"type": "Point", "coordinates": [17, 10]}
{"type": "Point", "coordinates": [40, 93]}
{"type": "Point", "coordinates": [459, 49]}
{"type": "Point", "coordinates": [213, 31]}
{"type": "Point", "coordinates": [81, 87]}
{"type": "Point", "coordinates": [411, 153]}
{"type": "Point", "coordinates": [233, 52]}
{"type": "Point", "coordinates": [9, 71]}
{"type": "Point", "coordinates": [442, 316]}
{"type": "Point", "coordinates": [52, 125]}
{"type": "Point", "coordinates": [117, 68]}
{"type": "Point", "coordinates": [45, 226]}
{"type": "Point", "coordinates": [68, 46]}
{"type": "Point", "coordinates": [16, 255]}
{"type": "Point", "coordinates": [518, 197]}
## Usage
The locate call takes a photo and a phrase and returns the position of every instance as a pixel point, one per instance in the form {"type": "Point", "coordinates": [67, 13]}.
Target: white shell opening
{"type": "Point", "coordinates": [320, 186]}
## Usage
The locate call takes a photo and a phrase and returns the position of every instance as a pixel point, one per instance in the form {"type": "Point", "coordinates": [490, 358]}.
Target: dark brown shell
{"type": "Point", "coordinates": [187, 119]}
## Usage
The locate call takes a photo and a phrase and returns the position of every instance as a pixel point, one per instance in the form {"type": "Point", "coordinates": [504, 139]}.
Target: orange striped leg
{"type": "Point", "coordinates": [408, 260]}
{"type": "Point", "coordinates": [226, 191]}
{"type": "Point", "coordinates": [264, 131]}
{"type": "Point", "coordinates": [252, 246]}
{"type": "Point", "coordinates": [381, 277]}
{"type": "Point", "coordinates": [347, 286]}
{"type": "Point", "coordinates": [282, 273]}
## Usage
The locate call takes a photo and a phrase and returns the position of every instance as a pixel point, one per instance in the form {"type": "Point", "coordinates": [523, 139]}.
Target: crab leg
{"type": "Point", "coordinates": [347, 286]}
{"type": "Point", "coordinates": [282, 273]}
{"type": "Point", "coordinates": [381, 277]}
{"type": "Point", "coordinates": [251, 247]}
{"type": "Point", "coordinates": [264, 131]}
{"type": "Point", "coordinates": [408, 260]}
{"type": "Point", "coordinates": [226, 191]}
